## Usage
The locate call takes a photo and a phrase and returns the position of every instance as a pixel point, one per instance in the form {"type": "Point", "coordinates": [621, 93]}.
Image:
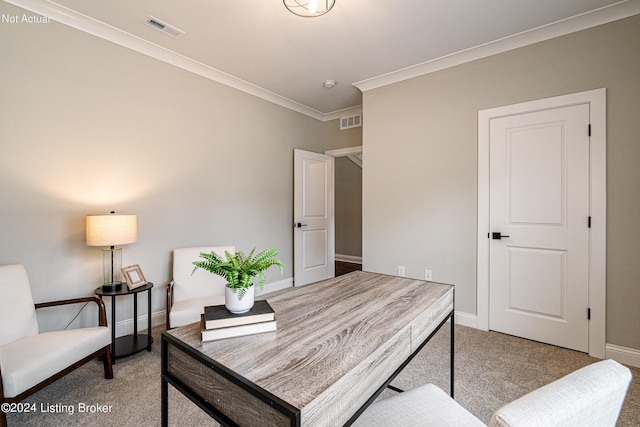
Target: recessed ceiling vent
{"type": "Point", "coordinates": [350, 122]}
{"type": "Point", "coordinates": [164, 27]}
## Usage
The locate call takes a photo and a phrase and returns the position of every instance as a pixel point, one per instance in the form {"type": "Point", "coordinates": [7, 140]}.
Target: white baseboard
{"type": "Point", "coordinates": [624, 355]}
{"type": "Point", "coordinates": [348, 258]}
{"type": "Point", "coordinates": [466, 319]}
{"type": "Point", "coordinates": [275, 286]}
{"type": "Point", "coordinates": [125, 327]}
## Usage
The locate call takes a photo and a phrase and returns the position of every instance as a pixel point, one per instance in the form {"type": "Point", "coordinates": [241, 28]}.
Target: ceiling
{"type": "Point", "coordinates": [260, 47]}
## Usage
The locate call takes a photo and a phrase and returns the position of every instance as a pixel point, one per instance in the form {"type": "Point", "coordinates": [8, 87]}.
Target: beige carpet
{"type": "Point", "coordinates": [491, 370]}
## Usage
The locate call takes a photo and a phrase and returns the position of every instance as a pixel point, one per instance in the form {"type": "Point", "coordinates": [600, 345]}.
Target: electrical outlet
{"type": "Point", "coordinates": [401, 270]}
{"type": "Point", "coordinates": [428, 275]}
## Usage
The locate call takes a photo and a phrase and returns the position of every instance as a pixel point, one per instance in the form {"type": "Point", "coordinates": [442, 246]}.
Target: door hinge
{"type": "Point", "coordinates": [588, 313]}
{"type": "Point", "coordinates": [589, 129]}
{"type": "Point", "coordinates": [589, 222]}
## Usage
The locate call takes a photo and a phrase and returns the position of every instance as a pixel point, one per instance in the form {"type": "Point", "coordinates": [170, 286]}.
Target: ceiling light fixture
{"type": "Point", "coordinates": [309, 8]}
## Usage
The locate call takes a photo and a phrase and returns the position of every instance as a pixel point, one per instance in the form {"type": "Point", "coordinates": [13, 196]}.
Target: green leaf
{"type": "Point", "coordinates": [240, 269]}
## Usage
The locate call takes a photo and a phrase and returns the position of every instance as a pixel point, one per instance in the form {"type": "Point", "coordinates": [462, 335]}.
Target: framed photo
{"type": "Point", "coordinates": [134, 277]}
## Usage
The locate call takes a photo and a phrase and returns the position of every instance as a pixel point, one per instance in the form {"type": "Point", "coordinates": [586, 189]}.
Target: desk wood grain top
{"type": "Point", "coordinates": [336, 341]}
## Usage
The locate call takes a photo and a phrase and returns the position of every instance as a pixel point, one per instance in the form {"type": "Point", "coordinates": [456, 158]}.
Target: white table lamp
{"type": "Point", "coordinates": [111, 230]}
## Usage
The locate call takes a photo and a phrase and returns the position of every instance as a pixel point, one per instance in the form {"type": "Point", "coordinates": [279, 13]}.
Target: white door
{"type": "Point", "coordinates": [313, 236]}
{"type": "Point", "coordinates": [539, 226]}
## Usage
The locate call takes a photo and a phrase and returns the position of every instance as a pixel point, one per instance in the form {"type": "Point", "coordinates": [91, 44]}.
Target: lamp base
{"type": "Point", "coordinates": [111, 287]}
{"type": "Point", "coordinates": [111, 268]}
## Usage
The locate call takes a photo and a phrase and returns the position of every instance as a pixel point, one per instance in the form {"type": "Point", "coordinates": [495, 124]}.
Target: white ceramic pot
{"type": "Point", "coordinates": [236, 305]}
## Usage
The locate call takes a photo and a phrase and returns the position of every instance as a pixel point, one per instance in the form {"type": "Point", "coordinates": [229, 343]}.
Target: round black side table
{"type": "Point", "coordinates": [128, 344]}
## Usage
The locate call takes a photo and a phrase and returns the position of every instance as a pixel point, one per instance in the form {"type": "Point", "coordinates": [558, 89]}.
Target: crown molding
{"type": "Point", "coordinates": [107, 32]}
{"type": "Point", "coordinates": [604, 15]}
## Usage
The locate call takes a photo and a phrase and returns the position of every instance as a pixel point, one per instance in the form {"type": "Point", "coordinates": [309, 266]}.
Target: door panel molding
{"type": "Point", "coordinates": [596, 99]}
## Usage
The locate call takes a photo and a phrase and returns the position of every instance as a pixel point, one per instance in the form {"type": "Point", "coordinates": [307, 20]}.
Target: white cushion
{"type": "Point", "coordinates": [423, 406]}
{"type": "Point", "coordinates": [591, 396]}
{"type": "Point", "coordinates": [188, 311]}
{"type": "Point", "coordinates": [201, 282]}
{"type": "Point", "coordinates": [17, 311]}
{"type": "Point", "coordinates": [29, 361]}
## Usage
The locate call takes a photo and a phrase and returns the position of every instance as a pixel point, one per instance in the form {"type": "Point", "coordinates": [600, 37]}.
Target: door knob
{"type": "Point", "coordinates": [497, 236]}
{"type": "Point", "coordinates": [299, 225]}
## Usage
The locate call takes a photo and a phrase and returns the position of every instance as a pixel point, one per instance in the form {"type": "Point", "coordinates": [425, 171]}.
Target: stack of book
{"type": "Point", "coordinates": [217, 322]}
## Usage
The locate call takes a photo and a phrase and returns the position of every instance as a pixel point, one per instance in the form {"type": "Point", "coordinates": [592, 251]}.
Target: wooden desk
{"type": "Point", "coordinates": [339, 343]}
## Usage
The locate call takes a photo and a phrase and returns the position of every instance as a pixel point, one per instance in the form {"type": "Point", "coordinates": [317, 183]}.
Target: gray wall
{"type": "Point", "coordinates": [87, 126]}
{"type": "Point", "coordinates": [420, 145]}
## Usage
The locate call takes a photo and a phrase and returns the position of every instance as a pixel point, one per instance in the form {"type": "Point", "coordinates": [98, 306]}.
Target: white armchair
{"type": "Point", "coordinates": [590, 396]}
{"type": "Point", "coordinates": [30, 360]}
{"type": "Point", "coordinates": [187, 293]}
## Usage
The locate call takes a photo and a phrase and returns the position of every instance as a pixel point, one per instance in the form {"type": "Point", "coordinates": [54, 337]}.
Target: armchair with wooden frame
{"type": "Point", "coordinates": [189, 292]}
{"type": "Point", "coordinates": [31, 360]}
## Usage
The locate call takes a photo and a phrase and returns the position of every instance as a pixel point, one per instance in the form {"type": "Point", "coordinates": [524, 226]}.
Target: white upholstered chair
{"type": "Point", "coordinates": [590, 396]}
{"type": "Point", "coordinates": [187, 293]}
{"type": "Point", "coordinates": [30, 360]}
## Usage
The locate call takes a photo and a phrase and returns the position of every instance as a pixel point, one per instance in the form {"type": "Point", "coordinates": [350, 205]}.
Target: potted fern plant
{"type": "Point", "coordinates": [240, 271]}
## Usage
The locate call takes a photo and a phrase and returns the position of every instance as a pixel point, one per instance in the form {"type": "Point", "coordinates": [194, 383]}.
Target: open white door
{"type": "Point", "coordinates": [313, 237]}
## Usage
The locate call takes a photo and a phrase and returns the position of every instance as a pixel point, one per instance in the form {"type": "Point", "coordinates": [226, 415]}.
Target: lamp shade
{"type": "Point", "coordinates": [110, 230]}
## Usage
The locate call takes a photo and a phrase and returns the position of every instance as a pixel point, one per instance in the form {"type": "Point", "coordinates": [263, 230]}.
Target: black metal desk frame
{"type": "Point", "coordinates": [284, 407]}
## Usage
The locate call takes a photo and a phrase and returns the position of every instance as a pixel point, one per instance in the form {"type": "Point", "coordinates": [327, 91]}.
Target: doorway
{"type": "Point", "coordinates": [348, 209]}
{"type": "Point", "coordinates": [315, 217]}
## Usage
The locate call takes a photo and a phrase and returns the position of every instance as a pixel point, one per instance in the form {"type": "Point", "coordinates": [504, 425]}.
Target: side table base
{"type": "Point", "coordinates": [131, 344]}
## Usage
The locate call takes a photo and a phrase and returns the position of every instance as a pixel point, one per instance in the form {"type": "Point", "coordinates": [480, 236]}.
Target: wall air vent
{"type": "Point", "coordinates": [350, 122]}
{"type": "Point", "coordinates": [164, 27]}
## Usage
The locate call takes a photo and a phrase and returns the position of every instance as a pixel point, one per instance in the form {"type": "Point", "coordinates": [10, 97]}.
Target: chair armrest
{"type": "Point", "coordinates": [592, 395]}
{"type": "Point", "coordinates": [102, 313]}
{"type": "Point", "coordinates": [1, 393]}
{"type": "Point", "coordinates": [169, 301]}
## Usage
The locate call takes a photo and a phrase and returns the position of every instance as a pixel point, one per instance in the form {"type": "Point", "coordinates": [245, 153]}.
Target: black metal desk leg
{"type": "Point", "coordinates": [113, 328]}
{"type": "Point", "coordinates": [135, 316]}
{"type": "Point", "coordinates": [149, 320]}
{"type": "Point", "coordinates": [164, 386]}
{"type": "Point", "coordinates": [452, 350]}
{"type": "Point", "coordinates": [164, 404]}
